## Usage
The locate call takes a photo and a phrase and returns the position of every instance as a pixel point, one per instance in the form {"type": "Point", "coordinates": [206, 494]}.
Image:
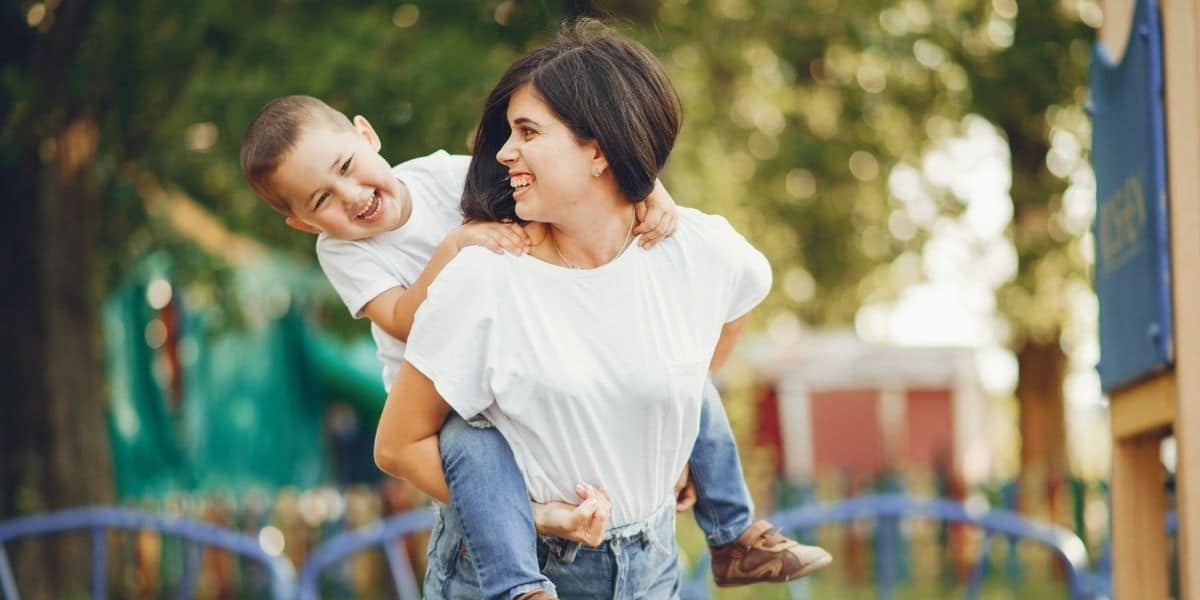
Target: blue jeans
{"type": "Point", "coordinates": [634, 561]}
{"type": "Point", "coordinates": [723, 505]}
{"type": "Point", "coordinates": [487, 492]}
{"type": "Point", "coordinates": [491, 504]}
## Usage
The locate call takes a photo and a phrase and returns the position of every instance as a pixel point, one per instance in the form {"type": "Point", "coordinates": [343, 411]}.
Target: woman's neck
{"type": "Point", "coordinates": [592, 241]}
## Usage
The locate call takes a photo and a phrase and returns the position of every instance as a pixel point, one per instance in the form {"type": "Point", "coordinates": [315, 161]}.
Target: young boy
{"type": "Point", "coordinates": [384, 233]}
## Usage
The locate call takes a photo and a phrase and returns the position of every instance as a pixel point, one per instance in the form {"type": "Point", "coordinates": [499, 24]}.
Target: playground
{"type": "Point", "coordinates": [972, 378]}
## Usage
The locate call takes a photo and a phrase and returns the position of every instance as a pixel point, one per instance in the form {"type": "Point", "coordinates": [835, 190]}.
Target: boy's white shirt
{"type": "Point", "coordinates": [592, 375]}
{"type": "Point", "coordinates": [360, 270]}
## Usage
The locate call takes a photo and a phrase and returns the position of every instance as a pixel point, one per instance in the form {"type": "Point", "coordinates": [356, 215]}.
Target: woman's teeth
{"type": "Point", "coordinates": [520, 181]}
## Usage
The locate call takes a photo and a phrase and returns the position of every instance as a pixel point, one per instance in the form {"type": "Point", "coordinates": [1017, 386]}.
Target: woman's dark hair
{"type": "Point", "coordinates": [604, 87]}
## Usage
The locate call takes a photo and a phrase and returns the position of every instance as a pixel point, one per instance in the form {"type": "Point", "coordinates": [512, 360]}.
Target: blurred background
{"type": "Point", "coordinates": [916, 171]}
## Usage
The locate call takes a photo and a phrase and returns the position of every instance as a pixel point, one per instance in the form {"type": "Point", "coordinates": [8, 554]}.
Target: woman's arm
{"type": "Point", "coordinates": [406, 442]}
{"type": "Point", "coordinates": [406, 447]}
{"type": "Point", "coordinates": [729, 338]}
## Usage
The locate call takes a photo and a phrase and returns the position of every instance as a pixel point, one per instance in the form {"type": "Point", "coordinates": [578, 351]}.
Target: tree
{"type": "Point", "coordinates": [800, 115]}
{"type": "Point", "coordinates": [105, 99]}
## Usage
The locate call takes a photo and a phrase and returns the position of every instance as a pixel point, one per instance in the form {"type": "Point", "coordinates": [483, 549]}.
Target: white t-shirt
{"type": "Point", "coordinates": [360, 270]}
{"type": "Point", "coordinates": [594, 375]}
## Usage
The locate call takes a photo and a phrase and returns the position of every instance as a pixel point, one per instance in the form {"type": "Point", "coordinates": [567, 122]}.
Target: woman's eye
{"type": "Point", "coordinates": [528, 133]}
{"type": "Point", "coordinates": [346, 166]}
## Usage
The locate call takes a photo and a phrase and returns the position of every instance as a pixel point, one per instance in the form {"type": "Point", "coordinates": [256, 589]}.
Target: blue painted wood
{"type": "Point", "coordinates": [401, 569]}
{"type": "Point", "coordinates": [1132, 270]}
{"type": "Point", "coordinates": [8, 584]}
{"type": "Point", "coordinates": [979, 569]}
{"type": "Point", "coordinates": [99, 564]}
{"type": "Point", "coordinates": [191, 572]}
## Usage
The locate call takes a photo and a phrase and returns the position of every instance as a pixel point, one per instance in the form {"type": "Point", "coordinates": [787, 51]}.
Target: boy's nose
{"type": "Point", "coordinates": [347, 193]}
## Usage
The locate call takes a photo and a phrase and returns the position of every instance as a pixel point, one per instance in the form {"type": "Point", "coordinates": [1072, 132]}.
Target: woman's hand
{"type": "Point", "coordinates": [584, 522]}
{"type": "Point", "coordinates": [497, 237]}
{"type": "Point", "coordinates": [656, 216]}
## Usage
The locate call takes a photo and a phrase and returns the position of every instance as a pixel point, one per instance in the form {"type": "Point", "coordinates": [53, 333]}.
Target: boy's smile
{"type": "Point", "coordinates": [337, 183]}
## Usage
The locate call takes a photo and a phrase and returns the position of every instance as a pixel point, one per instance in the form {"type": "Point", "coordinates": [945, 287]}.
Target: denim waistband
{"type": "Point", "coordinates": [638, 528]}
{"type": "Point", "coordinates": [647, 531]}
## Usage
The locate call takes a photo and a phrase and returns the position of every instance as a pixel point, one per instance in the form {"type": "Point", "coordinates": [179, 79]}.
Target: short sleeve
{"type": "Point", "coordinates": [747, 272]}
{"type": "Point", "coordinates": [445, 175]}
{"type": "Point", "coordinates": [454, 333]}
{"type": "Point", "coordinates": [752, 279]}
{"type": "Point", "coordinates": [453, 176]}
{"type": "Point", "coordinates": [354, 271]}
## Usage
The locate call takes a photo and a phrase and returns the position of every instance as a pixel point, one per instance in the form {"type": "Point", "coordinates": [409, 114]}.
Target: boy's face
{"type": "Point", "coordinates": [336, 182]}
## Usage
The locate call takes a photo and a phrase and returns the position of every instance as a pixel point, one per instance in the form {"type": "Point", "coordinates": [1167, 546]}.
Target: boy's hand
{"type": "Point", "coordinates": [685, 492]}
{"type": "Point", "coordinates": [583, 522]}
{"type": "Point", "coordinates": [497, 237]}
{"type": "Point", "coordinates": [656, 216]}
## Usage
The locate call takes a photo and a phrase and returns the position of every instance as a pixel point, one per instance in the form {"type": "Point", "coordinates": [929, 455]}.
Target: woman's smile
{"type": "Point", "coordinates": [520, 183]}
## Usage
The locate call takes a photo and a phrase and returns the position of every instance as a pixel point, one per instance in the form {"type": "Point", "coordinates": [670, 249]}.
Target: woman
{"type": "Point", "coordinates": [587, 354]}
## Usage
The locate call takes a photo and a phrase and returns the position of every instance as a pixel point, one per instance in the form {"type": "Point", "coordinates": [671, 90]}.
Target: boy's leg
{"type": "Point", "coordinates": [743, 551]}
{"type": "Point", "coordinates": [491, 502]}
{"type": "Point", "coordinates": [723, 505]}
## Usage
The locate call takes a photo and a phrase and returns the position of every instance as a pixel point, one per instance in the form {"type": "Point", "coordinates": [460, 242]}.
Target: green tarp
{"type": "Point", "coordinates": [247, 408]}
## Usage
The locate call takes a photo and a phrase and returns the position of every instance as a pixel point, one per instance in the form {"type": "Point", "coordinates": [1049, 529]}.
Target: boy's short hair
{"type": "Point", "coordinates": [272, 135]}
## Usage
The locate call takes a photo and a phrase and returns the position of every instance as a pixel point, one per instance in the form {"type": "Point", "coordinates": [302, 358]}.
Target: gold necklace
{"type": "Point", "coordinates": [624, 245]}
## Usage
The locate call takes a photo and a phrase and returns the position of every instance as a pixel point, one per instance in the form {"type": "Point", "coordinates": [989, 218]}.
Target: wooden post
{"type": "Point", "coordinates": [1139, 512]}
{"type": "Point", "coordinates": [1181, 64]}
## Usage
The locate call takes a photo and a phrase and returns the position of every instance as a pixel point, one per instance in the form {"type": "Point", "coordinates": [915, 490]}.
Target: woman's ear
{"type": "Point", "coordinates": [599, 160]}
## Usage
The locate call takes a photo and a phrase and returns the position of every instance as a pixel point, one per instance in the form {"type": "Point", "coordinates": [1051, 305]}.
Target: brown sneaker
{"type": "Point", "coordinates": [537, 595]}
{"type": "Point", "coordinates": [761, 554]}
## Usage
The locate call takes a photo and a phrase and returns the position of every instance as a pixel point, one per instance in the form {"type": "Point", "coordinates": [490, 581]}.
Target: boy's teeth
{"type": "Point", "coordinates": [370, 209]}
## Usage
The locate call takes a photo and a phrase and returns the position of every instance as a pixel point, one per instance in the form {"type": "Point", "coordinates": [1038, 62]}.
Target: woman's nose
{"type": "Point", "coordinates": [507, 152]}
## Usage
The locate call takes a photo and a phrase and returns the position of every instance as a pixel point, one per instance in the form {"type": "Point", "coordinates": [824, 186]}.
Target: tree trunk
{"type": "Point", "coordinates": [54, 437]}
{"type": "Point", "coordinates": [1044, 462]}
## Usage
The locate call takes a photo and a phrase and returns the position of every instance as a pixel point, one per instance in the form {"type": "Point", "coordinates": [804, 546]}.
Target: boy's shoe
{"type": "Point", "coordinates": [762, 554]}
{"type": "Point", "coordinates": [538, 595]}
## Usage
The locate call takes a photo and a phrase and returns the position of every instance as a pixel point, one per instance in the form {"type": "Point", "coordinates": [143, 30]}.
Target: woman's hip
{"type": "Point", "coordinates": [636, 561]}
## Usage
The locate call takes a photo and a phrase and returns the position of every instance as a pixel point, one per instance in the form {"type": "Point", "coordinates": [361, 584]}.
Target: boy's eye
{"type": "Point", "coordinates": [321, 200]}
{"type": "Point", "coordinates": [345, 166]}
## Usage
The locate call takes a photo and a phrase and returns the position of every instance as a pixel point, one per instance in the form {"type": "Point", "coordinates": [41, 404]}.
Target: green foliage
{"type": "Point", "coordinates": [795, 113]}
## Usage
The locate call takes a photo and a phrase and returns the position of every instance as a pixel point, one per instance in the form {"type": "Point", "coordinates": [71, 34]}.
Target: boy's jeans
{"type": "Point", "coordinates": [491, 503]}
{"type": "Point", "coordinates": [487, 492]}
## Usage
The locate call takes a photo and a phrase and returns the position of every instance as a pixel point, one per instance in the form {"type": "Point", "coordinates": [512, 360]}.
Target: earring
{"type": "Point", "coordinates": [596, 172]}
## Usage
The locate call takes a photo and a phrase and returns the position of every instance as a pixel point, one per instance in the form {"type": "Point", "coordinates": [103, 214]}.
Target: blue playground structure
{"type": "Point", "coordinates": [281, 581]}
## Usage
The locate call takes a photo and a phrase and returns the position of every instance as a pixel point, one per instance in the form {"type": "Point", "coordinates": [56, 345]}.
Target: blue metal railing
{"type": "Point", "coordinates": [888, 509]}
{"type": "Point", "coordinates": [385, 534]}
{"type": "Point", "coordinates": [99, 519]}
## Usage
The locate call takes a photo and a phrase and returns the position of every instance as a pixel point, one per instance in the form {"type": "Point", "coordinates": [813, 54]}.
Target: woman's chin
{"type": "Point", "coordinates": [523, 211]}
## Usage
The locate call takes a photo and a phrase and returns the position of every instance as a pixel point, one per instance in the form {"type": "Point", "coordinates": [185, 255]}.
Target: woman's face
{"type": "Point", "coordinates": [548, 169]}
